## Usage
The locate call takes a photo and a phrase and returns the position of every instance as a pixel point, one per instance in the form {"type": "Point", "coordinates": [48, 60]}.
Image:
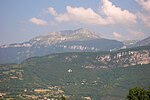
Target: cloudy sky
{"type": "Point", "coordinates": [21, 20]}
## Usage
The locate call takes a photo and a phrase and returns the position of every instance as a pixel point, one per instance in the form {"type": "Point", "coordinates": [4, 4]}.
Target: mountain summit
{"type": "Point", "coordinates": [86, 33]}
{"type": "Point", "coordinates": [80, 40]}
{"type": "Point", "coordinates": [67, 35]}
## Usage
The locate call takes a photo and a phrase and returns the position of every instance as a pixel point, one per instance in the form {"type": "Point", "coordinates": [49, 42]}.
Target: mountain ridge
{"type": "Point", "coordinates": [143, 42]}
{"type": "Point", "coordinates": [55, 37]}
{"type": "Point", "coordinates": [79, 40]}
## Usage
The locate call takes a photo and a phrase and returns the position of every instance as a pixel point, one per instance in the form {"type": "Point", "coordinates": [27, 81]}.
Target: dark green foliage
{"type": "Point", "coordinates": [138, 93]}
{"type": "Point", "coordinates": [63, 98]}
{"type": "Point", "coordinates": [98, 83]}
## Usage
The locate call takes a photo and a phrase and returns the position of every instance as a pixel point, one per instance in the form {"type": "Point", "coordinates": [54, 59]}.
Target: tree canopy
{"type": "Point", "coordinates": [138, 93]}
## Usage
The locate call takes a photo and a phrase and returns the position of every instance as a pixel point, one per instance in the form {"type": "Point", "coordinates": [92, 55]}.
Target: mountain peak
{"type": "Point", "coordinates": [80, 33]}
{"type": "Point", "coordinates": [77, 31]}
{"type": "Point", "coordinates": [83, 30]}
{"type": "Point", "coordinates": [143, 42]}
{"type": "Point", "coordinates": [86, 33]}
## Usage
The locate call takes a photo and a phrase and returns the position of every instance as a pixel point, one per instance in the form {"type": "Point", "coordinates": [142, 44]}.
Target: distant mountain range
{"type": "Point", "coordinates": [79, 40]}
{"type": "Point", "coordinates": [144, 42]}
{"type": "Point", "coordinates": [109, 74]}
{"type": "Point", "coordinates": [129, 42]}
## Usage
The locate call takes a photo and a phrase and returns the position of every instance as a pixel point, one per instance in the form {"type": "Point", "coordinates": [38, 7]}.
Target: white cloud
{"type": "Point", "coordinates": [145, 4]}
{"type": "Point", "coordinates": [113, 15]}
{"type": "Point", "coordinates": [145, 19]}
{"type": "Point", "coordinates": [52, 11]}
{"type": "Point", "coordinates": [136, 34]}
{"type": "Point", "coordinates": [116, 14]}
{"type": "Point", "coordinates": [145, 16]}
{"type": "Point", "coordinates": [117, 35]}
{"type": "Point", "coordinates": [131, 34]}
{"type": "Point", "coordinates": [38, 21]}
{"type": "Point", "coordinates": [82, 15]}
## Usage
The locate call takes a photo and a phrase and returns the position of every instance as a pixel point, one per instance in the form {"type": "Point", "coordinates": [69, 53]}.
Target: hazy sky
{"type": "Point", "coordinates": [21, 20]}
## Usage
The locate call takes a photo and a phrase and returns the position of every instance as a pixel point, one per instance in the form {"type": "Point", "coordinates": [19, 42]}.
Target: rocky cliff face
{"type": "Point", "coordinates": [56, 42]}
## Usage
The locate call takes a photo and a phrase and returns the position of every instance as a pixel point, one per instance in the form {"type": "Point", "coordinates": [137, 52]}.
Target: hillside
{"type": "Point", "coordinates": [78, 75]}
{"type": "Point", "coordinates": [144, 42]}
{"type": "Point", "coordinates": [79, 40]}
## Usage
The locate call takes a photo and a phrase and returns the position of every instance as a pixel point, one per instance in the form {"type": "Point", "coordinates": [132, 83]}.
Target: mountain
{"type": "Point", "coordinates": [79, 40]}
{"type": "Point", "coordinates": [62, 36]}
{"type": "Point", "coordinates": [144, 42]}
{"type": "Point", "coordinates": [129, 42]}
{"type": "Point", "coordinates": [76, 75]}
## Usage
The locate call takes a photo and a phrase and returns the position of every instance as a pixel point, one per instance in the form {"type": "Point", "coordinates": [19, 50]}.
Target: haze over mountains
{"type": "Point", "coordinates": [56, 42]}
{"type": "Point", "coordinates": [48, 51]}
{"type": "Point", "coordinates": [145, 41]}
{"type": "Point", "coordinates": [72, 63]}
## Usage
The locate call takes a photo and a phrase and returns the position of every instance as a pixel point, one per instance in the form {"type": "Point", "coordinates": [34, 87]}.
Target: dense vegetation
{"type": "Point", "coordinates": [138, 93]}
{"type": "Point", "coordinates": [67, 70]}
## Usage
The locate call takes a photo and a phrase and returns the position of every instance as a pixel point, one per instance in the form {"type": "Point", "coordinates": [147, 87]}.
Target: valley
{"type": "Point", "coordinates": [74, 75]}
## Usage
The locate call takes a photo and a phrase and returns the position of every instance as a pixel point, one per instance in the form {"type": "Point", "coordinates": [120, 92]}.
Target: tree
{"type": "Point", "coordinates": [63, 98]}
{"type": "Point", "coordinates": [138, 93]}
